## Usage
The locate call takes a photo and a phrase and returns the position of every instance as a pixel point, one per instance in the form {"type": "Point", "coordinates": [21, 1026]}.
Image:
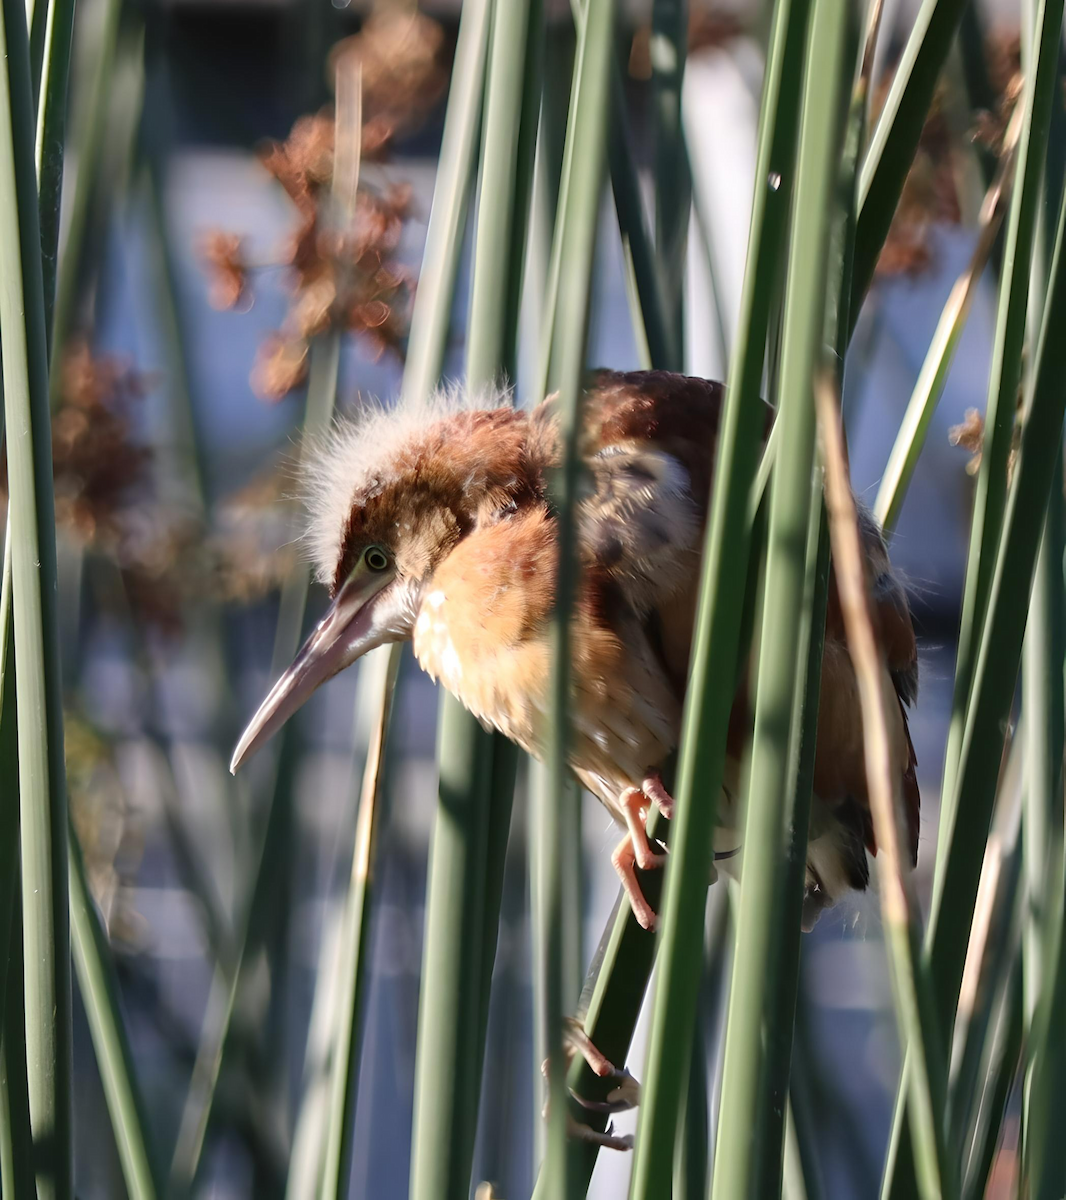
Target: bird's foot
{"type": "Point", "coordinates": [655, 792]}
{"type": "Point", "coordinates": [624, 859]}
{"type": "Point", "coordinates": [635, 849]}
{"type": "Point", "coordinates": [625, 1095]}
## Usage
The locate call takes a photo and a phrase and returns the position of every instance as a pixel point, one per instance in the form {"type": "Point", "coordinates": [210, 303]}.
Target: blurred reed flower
{"type": "Point", "coordinates": [107, 502]}
{"type": "Point", "coordinates": [930, 194]}
{"type": "Point", "coordinates": [343, 279]}
{"type": "Point", "coordinates": [222, 255]}
{"type": "Point", "coordinates": [970, 435]}
{"type": "Point", "coordinates": [404, 73]}
{"type": "Point", "coordinates": [98, 462]}
{"type": "Point", "coordinates": [343, 269]}
{"type": "Point", "coordinates": [96, 457]}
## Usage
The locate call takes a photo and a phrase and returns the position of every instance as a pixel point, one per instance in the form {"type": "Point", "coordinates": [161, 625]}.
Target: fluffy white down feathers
{"type": "Point", "coordinates": [359, 447]}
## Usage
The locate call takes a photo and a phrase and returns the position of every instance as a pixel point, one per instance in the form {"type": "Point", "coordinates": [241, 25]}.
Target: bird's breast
{"type": "Point", "coordinates": [483, 630]}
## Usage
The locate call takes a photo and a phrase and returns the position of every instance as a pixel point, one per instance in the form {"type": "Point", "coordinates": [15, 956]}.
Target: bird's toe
{"type": "Point", "coordinates": [655, 792]}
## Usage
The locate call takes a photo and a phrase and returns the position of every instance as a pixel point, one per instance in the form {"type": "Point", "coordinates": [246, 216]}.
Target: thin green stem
{"type": "Point", "coordinates": [827, 78]}
{"type": "Point", "coordinates": [16, 1140]}
{"type": "Point", "coordinates": [9, 808]}
{"type": "Point", "coordinates": [895, 137]}
{"type": "Point", "coordinates": [720, 616]}
{"type": "Point", "coordinates": [50, 97]}
{"type": "Point", "coordinates": [574, 250]}
{"type": "Point", "coordinates": [673, 190]}
{"type": "Point", "coordinates": [99, 993]}
{"type": "Point", "coordinates": [91, 140]}
{"type": "Point", "coordinates": [910, 438]}
{"type": "Point", "coordinates": [43, 807]}
{"type": "Point", "coordinates": [990, 496]}
{"type": "Point", "coordinates": [352, 974]}
{"type": "Point", "coordinates": [663, 341]}
{"type": "Point", "coordinates": [477, 769]}
{"type": "Point", "coordinates": [993, 684]}
{"type": "Point", "coordinates": [899, 906]}
{"type": "Point", "coordinates": [784, 981]}
{"type": "Point", "coordinates": [1000, 1074]}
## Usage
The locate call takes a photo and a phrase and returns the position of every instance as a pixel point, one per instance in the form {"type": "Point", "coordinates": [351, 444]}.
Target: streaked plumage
{"type": "Point", "coordinates": [452, 498]}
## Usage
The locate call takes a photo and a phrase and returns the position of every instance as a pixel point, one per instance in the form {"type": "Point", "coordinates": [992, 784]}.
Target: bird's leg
{"type": "Point", "coordinates": [625, 1096]}
{"type": "Point", "coordinates": [635, 851]}
{"type": "Point", "coordinates": [634, 806]}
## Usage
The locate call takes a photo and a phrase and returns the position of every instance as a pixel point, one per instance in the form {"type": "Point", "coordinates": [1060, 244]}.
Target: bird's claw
{"type": "Point", "coordinates": [624, 1096]}
{"type": "Point", "coordinates": [624, 859]}
{"type": "Point", "coordinates": [635, 851]}
{"type": "Point", "coordinates": [606, 1138]}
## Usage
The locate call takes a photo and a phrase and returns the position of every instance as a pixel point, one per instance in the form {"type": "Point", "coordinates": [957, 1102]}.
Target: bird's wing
{"type": "Point", "coordinates": [892, 617]}
{"type": "Point", "coordinates": [641, 525]}
{"type": "Point", "coordinates": [649, 444]}
{"type": "Point", "coordinates": [900, 648]}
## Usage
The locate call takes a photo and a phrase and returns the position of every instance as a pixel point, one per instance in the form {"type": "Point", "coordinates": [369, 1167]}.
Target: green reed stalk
{"type": "Point", "coordinates": [352, 973]}
{"type": "Point", "coordinates": [990, 496]}
{"type": "Point", "coordinates": [91, 141]}
{"type": "Point", "coordinates": [999, 1074]}
{"type": "Point", "coordinates": [447, 1081]}
{"type": "Point", "coordinates": [659, 345]}
{"type": "Point", "coordinates": [899, 905]}
{"type": "Point", "coordinates": [272, 844]}
{"type": "Point", "coordinates": [610, 1005]}
{"type": "Point", "coordinates": [693, 1130]}
{"type": "Point", "coordinates": [895, 137]}
{"type": "Point", "coordinates": [1044, 1165]}
{"type": "Point", "coordinates": [431, 317]}
{"type": "Point", "coordinates": [673, 188]}
{"type": "Point", "coordinates": [16, 1139]}
{"type": "Point", "coordinates": [574, 251]}
{"type": "Point", "coordinates": [99, 992]}
{"type": "Point", "coordinates": [720, 616]}
{"type": "Point", "coordinates": [42, 798]}
{"type": "Point", "coordinates": [477, 769]}
{"type": "Point", "coordinates": [828, 66]}
{"type": "Point", "coordinates": [1045, 715]}
{"type": "Point", "coordinates": [910, 438]}
{"type": "Point", "coordinates": [9, 811]}
{"type": "Point", "coordinates": [992, 956]}
{"type": "Point", "coordinates": [429, 331]}
{"type": "Point", "coordinates": [995, 673]}
{"type": "Point", "coordinates": [1044, 948]}
{"type": "Point", "coordinates": [50, 77]}
{"type": "Point", "coordinates": [783, 984]}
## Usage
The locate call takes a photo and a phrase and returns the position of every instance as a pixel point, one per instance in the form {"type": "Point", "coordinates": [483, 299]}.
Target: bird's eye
{"type": "Point", "coordinates": [376, 559]}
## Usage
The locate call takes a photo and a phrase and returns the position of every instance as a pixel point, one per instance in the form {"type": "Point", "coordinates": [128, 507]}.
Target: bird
{"type": "Point", "coordinates": [433, 521]}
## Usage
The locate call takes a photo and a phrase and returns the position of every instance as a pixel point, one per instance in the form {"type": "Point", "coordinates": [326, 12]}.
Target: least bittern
{"type": "Point", "coordinates": [432, 522]}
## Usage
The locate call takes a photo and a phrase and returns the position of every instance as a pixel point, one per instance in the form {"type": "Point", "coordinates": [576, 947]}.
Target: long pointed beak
{"type": "Point", "coordinates": [346, 632]}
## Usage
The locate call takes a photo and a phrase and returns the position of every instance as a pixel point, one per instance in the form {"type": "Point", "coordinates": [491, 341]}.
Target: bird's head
{"type": "Point", "coordinates": [390, 496]}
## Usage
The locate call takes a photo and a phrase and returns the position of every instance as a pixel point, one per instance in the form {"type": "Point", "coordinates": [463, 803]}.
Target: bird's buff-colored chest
{"type": "Point", "coordinates": [483, 630]}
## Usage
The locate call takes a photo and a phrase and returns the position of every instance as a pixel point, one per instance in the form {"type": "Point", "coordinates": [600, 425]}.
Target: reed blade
{"type": "Point", "coordinates": [42, 787]}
